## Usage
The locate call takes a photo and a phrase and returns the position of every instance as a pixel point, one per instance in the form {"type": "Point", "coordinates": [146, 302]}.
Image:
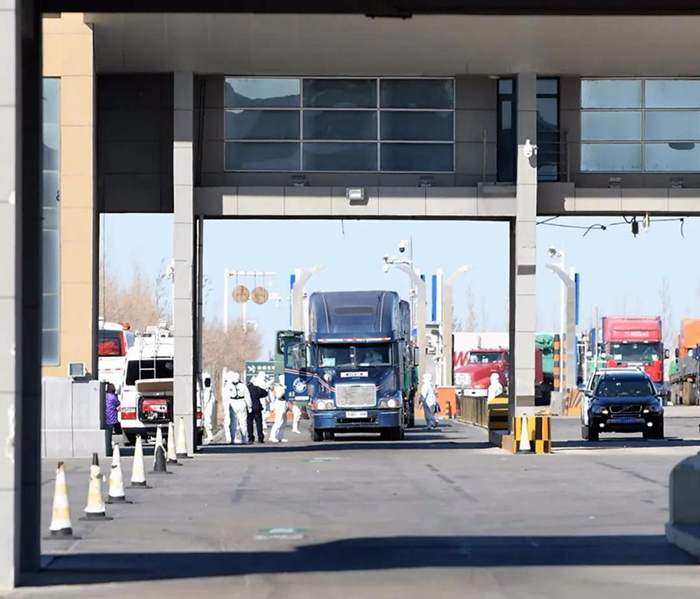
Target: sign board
{"type": "Point", "coordinates": [260, 295]}
{"type": "Point", "coordinates": [254, 367]}
{"type": "Point", "coordinates": [241, 294]}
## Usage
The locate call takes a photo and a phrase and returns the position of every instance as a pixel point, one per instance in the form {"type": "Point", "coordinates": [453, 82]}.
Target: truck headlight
{"type": "Point", "coordinates": [390, 403]}
{"type": "Point", "coordinates": [323, 404]}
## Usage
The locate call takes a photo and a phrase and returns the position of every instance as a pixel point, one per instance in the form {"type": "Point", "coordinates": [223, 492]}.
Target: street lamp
{"type": "Point", "coordinates": [300, 280]}
{"type": "Point", "coordinates": [448, 321]}
{"type": "Point", "coordinates": [568, 316]}
{"type": "Point", "coordinates": [170, 274]}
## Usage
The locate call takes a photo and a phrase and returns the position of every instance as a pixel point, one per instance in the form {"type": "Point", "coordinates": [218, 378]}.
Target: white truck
{"type": "Point", "coordinates": [113, 342]}
{"type": "Point", "coordinates": [147, 389]}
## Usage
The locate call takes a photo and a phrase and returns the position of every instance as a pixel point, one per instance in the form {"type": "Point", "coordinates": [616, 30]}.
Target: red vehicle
{"type": "Point", "coordinates": [635, 341]}
{"type": "Point", "coordinates": [473, 369]}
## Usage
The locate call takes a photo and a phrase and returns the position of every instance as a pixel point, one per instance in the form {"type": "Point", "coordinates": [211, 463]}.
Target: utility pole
{"type": "Point", "coordinates": [448, 321]}
{"type": "Point", "coordinates": [302, 277]}
{"type": "Point", "coordinates": [569, 310]}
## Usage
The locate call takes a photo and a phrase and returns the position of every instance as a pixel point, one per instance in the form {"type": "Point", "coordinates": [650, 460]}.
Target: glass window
{"type": "Point", "coordinates": [417, 93]}
{"type": "Point", "coordinates": [417, 126]}
{"type": "Point", "coordinates": [262, 156]}
{"type": "Point", "coordinates": [340, 93]}
{"type": "Point", "coordinates": [611, 157]}
{"type": "Point", "coordinates": [262, 93]}
{"type": "Point", "coordinates": [547, 87]}
{"type": "Point", "coordinates": [49, 348]}
{"type": "Point", "coordinates": [50, 265]}
{"type": "Point", "coordinates": [49, 312]}
{"type": "Point", "coordinates": [50, 95]}
{"type": "Point", "coordinates": [262, 124]}
{"type": "Point", "coordinates": [611, 93]}
{"type": "Point", "coordinates": [402, 157]}
{"type": "Point", "coordinates": [340, 157]}
{"type": "Point", "coordinates": [49, 218]}
{"type": "Point", "coordinates": [505, 86]}
{"type": "Point", "coordinates": [681, 157]}
{"type": "Point", "coordinates": [672, 93]}
{"type": "Point", "coordinates": [340, 124]}
{"type": "Point", "coordinates": [666, 125]}
{"type": "Point", "coordinates": [50, 189]}
{"type": "Point", "coordinates": [611, 126]}
{"type": "Point", "coordinates": [51, 149]}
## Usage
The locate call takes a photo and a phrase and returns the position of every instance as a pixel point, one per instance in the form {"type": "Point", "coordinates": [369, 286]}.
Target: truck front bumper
{"type": "Point", "coordinates": [372, 420]}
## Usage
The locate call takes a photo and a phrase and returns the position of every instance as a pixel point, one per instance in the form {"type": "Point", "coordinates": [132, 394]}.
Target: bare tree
{"type": "Point", "coordinates": [135, 302]}
{"type": "Point", "coordinates": [666, 312]}
{"type": "Point", "coordinates": [470, 325]}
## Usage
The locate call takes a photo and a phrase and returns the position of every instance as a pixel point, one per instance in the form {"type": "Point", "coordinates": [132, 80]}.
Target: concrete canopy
{"type": "Point", "coordinates": [261, 44]}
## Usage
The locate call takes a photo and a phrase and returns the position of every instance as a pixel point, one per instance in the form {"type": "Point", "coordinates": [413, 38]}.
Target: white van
{"type": "Point", "coordinates": [113, 342]}
{"type": "Point", "coordinates": [147, 389]}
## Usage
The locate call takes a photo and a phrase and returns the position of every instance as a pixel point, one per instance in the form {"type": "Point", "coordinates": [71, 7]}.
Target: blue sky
{"type": "Point", "coordinates": [619, 273]}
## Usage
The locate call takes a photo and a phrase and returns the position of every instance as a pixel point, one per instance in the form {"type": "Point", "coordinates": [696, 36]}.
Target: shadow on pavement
{"type": "Point", "coordinates": [366, 554]}
{"type": "Point", "coordinates": [626, 442]}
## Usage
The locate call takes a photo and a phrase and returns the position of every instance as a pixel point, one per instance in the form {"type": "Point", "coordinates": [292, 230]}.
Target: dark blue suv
{"type": "Point", "coordinates": [624, 402]}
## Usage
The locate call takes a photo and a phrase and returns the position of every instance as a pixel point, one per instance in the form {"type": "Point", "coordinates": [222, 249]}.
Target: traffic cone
{"type": "Point", "coordinates": [116, 479]}
{"type": "Point", "coordinates": [182, 441]}
{"type": "Point", "coordinates": [172, 454]}
{"type": "Point", "coordinates": [524, 436]}
{"type": "Point", "coordinates": [159, 460]}
{"type": "Point", "coordinates": [138, 471]}
{"type": "Point", "coordinates": [61, 524]}
{"type": "Point", "coordinates": [95, 508]}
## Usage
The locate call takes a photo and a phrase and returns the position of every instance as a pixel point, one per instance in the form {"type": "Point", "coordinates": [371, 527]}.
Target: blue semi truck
{"type": "Point", "coordinates": [356, 366]}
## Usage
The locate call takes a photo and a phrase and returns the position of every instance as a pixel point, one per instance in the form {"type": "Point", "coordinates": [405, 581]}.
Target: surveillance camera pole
{"type": "Point", "coordinates": [419, 284]}
{"type": "Point", "coordinates": [298, 297]}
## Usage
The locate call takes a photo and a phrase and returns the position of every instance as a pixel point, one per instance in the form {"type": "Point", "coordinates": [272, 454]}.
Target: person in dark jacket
{"type": "Point", "coordinates": [111, 415]}
{"type": "Point", "coordinates": [258, 389]}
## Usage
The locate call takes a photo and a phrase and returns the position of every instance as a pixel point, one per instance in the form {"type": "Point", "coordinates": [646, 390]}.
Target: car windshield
{"type": "Point", "coordinates": [484, 357]}
{"type": "Point", "coordinates": [635, 352]}
{"type": "Point", "coordinates": [624, 387]}
{"type": "Point", "coordinates": [349, 356]}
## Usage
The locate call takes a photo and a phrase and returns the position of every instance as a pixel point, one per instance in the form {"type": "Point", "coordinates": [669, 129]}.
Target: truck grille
{"type": "Point", "coordinates": [355, 396]}
{"type": "Point", "coordinates": [626, 409]}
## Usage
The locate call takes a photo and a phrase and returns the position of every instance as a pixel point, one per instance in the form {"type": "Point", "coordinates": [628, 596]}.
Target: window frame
{"type": "Point", "coordinates": [301, 109]}
{"type": "Point", "coordinates": [642, 141]}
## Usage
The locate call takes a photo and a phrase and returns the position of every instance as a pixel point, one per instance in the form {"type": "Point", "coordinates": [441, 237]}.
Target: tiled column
{"type": "Point", "coordinates": [523, 258]}
{"type": "Point", "coordinates": [184, 252]}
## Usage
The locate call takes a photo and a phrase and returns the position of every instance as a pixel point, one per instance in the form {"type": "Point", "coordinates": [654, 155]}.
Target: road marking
{"type": "Point", "coordinates": [289, 533]}
{"type": "Point", "coordinates": [633, 473]}
{"type": "Point", "coordinates": [319, 460]}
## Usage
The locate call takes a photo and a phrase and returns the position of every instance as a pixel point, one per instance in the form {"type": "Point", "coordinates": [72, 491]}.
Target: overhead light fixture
{"type": "Point", "coordinates": [300, 181]}
{"type": "Point", "coordinates": [355, 195]}
{"type": "Point", "coordinates": [494, 77]}
{"type": "Point", "coordinates": [425, 182]}
{"type": "Point", "coordinates": [677, 183]}
{"type": "Point", "coordinates": [615, 182]}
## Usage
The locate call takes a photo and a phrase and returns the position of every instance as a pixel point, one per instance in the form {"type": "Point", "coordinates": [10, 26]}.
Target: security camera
{"type": "Point", "coordinates": [385, 267]}
{"type": "Point", "coordinates": [552, 251]}
{"type": "Point", "coordinates": [386, 258]}
{"type": "Point", "coordinates": [402, 245]}
{"type": "Point", "coordinates": [529, 149]}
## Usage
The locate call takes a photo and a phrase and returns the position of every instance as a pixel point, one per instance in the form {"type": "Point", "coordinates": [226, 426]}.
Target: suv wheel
{"type": "Point", "coordinates": [593, 433]}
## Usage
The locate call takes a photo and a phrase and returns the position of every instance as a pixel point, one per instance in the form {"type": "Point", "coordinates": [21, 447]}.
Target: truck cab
{"type": "Point", "coordinates": [356, 369]}
{"type": "Point", "coordinates": [113, 342]}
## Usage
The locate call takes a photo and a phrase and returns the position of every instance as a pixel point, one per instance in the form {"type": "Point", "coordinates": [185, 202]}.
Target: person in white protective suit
{"type": "Point", "coordinates": [279, 405]}
{"type": "Point", "coordinates": [240, 404]}
{"type": "Point", "coordinates": [495, 387]}
{"type": "Point", "coordinates": [296, 418]}
{"type": "Point", "coordinates": [208, 407]}
{"type": "Point", "coordinates": [225, 386]}
{"type": "Point", "coordinates": [429, 401]}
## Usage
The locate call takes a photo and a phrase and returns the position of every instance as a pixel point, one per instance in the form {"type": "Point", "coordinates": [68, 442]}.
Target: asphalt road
{"type": "Point", "coordinates": [440, 514]}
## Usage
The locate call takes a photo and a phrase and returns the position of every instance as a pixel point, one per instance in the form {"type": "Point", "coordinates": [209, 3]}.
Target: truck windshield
{"type": "Point", "coordinates": [485, 357]}
{"type": "Point", "coordinates": [635, 352]}
{"type": "Point", "coordinates": [627, 387]}
{"type": "Point", "coordinates": [350, 356]}
{"type": "Point", "coordinates": [149, 369]}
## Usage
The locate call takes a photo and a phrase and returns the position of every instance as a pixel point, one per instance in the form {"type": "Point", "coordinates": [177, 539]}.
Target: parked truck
{"type": "Point", "coordinates": [356, 364]}
{"type": "Point", "coordinates": [474, 365]}
{"type": "Point", "coordinates": [113, 342]}
{"type": "Point", "coordinates": [635, 341]}
{"type": "Point", "coordinates": [684, 370]}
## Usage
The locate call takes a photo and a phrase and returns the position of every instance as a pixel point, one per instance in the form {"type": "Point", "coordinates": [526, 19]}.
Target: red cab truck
{"type": "Point", "coordinates": [635, 341]}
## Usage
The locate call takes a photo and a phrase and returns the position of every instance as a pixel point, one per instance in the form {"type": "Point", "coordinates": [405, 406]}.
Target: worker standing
{"type": "Point", "coordinates": [429, 401]}
{"type": "Point", "coordinates": [279, 405]}
{"type": "Point", "coordinates": [296, 418]}
{"type": "Point", "coordinates": [240, 405]}
{"type": "Point", "coordinates": [208, 405]}
{"type": "Point", "coordinates": [495, 387]}
{"type": "Point", "coordinates": [258, 391]}
{"type": "Point", "coordinates": [111, 415]}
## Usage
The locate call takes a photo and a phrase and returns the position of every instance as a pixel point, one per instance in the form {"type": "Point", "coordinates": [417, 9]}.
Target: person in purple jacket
{"type": "Point", "coordinates": [111, 415]}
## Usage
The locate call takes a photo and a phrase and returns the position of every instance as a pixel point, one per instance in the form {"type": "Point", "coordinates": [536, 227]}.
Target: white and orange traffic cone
{"type": "Point", "coordinates": [95, 508]}
{"type": "Point", "coordinates": [116, 479]}
{"type": "Point", "coordinates": [61, 523]}
{"type": "Point", "coordinates": [172, 452]}
{"type": "Point", "coordinates": [524, 436]}
{"type": "Point", "coordinates": [138, 471]}
{"type": "Point", "coordinates": [182, 441]}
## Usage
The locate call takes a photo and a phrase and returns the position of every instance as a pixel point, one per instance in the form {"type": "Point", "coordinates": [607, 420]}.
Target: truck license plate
{"type": "Point", "coordinates": [627, 420]}
{"type": "Point", "coordinates": [356, 414]}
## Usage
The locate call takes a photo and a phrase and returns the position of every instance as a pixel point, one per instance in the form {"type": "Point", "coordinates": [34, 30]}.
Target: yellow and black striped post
{"type": "Point", "coordinates": [539, 433]}
{"type": "Point", "coordinates": [557, 362]}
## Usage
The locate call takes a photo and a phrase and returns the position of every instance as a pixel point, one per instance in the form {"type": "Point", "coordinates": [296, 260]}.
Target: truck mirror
{"type": "Point", "coordinates": [667, 354]}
